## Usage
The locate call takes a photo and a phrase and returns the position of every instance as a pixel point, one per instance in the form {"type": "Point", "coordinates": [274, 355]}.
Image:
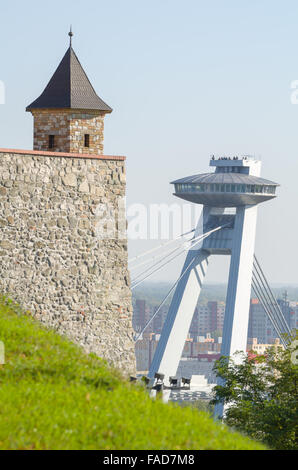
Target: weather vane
{"type": "Point", "coordinates": [70, 34]}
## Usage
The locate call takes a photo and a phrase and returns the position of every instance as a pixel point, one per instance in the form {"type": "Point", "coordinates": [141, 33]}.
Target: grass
{"type": "Point", "coordinates": [53, 396]}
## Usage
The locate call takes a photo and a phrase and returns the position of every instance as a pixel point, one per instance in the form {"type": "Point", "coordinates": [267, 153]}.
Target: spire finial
{"type": "Point", "coordinates": [70, 34]}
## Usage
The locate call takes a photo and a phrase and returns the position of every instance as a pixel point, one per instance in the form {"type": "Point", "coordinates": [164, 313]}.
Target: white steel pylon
{"type": "Point", "coordinates": [230, 197]}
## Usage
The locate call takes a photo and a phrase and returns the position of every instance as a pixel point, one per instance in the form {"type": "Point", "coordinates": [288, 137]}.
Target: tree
{"type": "Point", "coordinates": [261, 395]}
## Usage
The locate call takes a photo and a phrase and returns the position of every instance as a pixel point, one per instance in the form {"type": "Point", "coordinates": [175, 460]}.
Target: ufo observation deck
{"type": "Point", "coordinates": [231, 185]}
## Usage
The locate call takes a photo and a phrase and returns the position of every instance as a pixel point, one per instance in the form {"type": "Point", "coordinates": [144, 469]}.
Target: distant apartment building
{"type": "Point", "coordinates": [258, 348]}
{"type": "Point", "coordinates": [293, 315]}
{"type": "Point", "coordinates": [141, 314]}
{"type": "Point", "coordinates": [289, 310]}
{"type": "Point", "coordinates": [142, 354]}
{"type": "Point", "coordinates": [208, 318]}
{"type": "Point", "coordinates": [159, 319]}
{"type": "Point", "coordinates": [257, 326]}
{"type": "Point", "coordinates": [193, 349]}
{"type": "Point", "coordinates": [284, 305]}
{"type": "Point", "coordinates": [260, 326]}
{"type": "Point", "coordinates": [202, 343]}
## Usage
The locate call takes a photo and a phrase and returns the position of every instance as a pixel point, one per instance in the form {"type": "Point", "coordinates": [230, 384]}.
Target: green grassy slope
{"type": "Point", "coordinates": [53, 396]}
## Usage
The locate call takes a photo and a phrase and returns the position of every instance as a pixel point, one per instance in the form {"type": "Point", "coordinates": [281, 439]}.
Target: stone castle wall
{"type": "Point", "coordinates": [53, 261]}
{"type": "Point", "coordinates": [68, 127]}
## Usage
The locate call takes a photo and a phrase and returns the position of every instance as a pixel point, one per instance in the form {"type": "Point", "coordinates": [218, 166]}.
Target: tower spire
{"type": "Point", "coordinates": [69, 89]}
{"type": "Point", "coordinates": [70, 34]}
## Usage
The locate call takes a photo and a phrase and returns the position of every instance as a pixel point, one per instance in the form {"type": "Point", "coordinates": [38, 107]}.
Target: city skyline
{"type": "Point", "coordinates": [205, 333]}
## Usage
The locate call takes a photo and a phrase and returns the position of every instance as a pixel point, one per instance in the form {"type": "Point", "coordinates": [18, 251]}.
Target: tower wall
{"type": "Point", "coordinates": [68, 127]}
{"type": "Point", "coordinates": [54, 258]}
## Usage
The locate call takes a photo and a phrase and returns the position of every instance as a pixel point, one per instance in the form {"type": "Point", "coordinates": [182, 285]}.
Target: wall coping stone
{"type": "Point", "coordinates": [62, 154]}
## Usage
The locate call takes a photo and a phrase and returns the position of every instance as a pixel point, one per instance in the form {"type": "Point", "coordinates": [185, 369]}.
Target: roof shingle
{"type": "Point", "coordinates": [70, 87]}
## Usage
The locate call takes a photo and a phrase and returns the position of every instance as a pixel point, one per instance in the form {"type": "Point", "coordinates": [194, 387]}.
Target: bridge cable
{"type": "Point", "coordinates": [272, 299]}
{"type": "Point", "coordinates": [180, 247]}
{"type": "Point", "coordinates": [257, 289]}
{"type": "Point", "coordinates": [174, 285]}
{"type": "Point", "coordinates": [159, 246]}
{"type": "Point", "coordinates": [166, 297]}
{"type": "Point", "coordinates": [268, 301]}
{"type": "Point", "coordinates": [161, 255]}
{"type": "Point", "coordinates": [201, 238]}
{"type": "Point", "coordinates": [157, 263]}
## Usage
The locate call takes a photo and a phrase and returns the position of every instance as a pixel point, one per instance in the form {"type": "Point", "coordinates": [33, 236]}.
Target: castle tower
{"type": "Point", "coordinates": [63, 244]}
{"type": "Point", "coordinates": [69, 115]}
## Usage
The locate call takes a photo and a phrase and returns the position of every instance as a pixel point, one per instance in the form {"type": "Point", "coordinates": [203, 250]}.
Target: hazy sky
{"type": "Point", "coordinates": [186, 79]}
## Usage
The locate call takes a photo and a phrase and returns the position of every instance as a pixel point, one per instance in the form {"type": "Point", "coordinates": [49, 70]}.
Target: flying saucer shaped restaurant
{"type": "Point", "coordinates": [226, 187]}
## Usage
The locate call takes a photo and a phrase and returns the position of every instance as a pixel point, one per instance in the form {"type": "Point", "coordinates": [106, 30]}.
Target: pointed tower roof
{"type": "Point", "coordinates": [70, 87]}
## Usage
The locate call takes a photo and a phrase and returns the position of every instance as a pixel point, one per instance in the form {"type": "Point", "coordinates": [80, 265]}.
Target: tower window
{"type": "Point", "coordinates": [51, 141]}
{"type": "Point", "coordinates": [87, 140]}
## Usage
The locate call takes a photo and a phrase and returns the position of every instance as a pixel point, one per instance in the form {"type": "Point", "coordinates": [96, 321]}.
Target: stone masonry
{"type": "Point", "coordinates": [52, 259]}
{"type": "Point", "coordinates": [68, 127]}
